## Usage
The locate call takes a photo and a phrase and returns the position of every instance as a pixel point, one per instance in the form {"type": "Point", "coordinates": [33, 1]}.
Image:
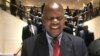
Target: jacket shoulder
{"type": "Point", "coordinates": [31, 40]}
{"type": "Point", "coordinates": [72, 37]}
{"type": "Point", "coordinates": [78, 45]}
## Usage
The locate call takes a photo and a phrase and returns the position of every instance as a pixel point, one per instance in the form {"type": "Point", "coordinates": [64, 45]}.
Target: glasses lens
{"type": "Point", "coordinates": [51, 18]}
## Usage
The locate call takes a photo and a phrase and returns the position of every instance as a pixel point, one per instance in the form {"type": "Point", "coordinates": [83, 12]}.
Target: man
{"type": "Point", "coordinates": [42, 7]}
{"type": "Point", "coordinates": [53, 42]}
{"type": "Point", "coordinates": [13, 7]}
{"type": "Point", "coordinates": [29, 30]}
{"type": "Point", "coordinates": [87, 35]}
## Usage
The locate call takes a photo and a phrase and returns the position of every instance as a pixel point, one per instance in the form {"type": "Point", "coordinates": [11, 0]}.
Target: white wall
{"type": "Point", "coordinates": [10, 32]}
{"type": "Point", "coordinates": [1, 34]}
{"type": "Point", "coordinates": [94, 26]}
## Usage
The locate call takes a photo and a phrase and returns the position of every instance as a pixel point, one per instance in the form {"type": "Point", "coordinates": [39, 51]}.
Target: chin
{"type": "Point", "coordinates": [55, 35]}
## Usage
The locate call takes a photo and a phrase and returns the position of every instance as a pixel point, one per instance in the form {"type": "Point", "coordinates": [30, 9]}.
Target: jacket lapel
{"type": "Point", "coordinates": [41, 46]}
{"type": "Point", "coordinates": [66, 46]}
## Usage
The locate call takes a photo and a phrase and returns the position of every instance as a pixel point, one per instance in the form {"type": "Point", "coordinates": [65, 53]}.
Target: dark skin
{"type": "Point", "coordinates": [53, 19]}
{"type": "Point", "coordinates": [29, 21]}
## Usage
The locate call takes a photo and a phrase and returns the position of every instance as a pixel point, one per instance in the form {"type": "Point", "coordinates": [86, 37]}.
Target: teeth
{"type": "Point", "coordinates": [55, 27]}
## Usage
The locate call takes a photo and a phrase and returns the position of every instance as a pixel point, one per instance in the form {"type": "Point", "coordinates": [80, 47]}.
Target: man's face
{"type": "Point", "coordinates": [53, 21]}
{"type": "Point", "coordinates": [29, 21]}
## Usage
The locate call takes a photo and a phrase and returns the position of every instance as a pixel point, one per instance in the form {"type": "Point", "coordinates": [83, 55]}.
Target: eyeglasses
{"type": "Point", "coordinates": [51, 18]}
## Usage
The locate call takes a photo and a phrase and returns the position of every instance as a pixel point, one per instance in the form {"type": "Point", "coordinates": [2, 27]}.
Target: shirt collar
{"type": "Point", "coordinates": [50, 39]}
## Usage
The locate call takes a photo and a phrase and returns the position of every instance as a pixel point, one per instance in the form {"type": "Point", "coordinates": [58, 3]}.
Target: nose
{"type": "Point", "coordinates": [55, 20]}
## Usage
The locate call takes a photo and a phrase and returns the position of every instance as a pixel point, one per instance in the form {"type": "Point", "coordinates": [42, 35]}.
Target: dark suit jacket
{"type": "Point", "coordinates": [26, 33]}
{"type": "Point", "coordinates": [38, 46]}
{"type": "Point", "coordinates": [94, 48]}
{"type": "Point", "coordinates": [87, 36]}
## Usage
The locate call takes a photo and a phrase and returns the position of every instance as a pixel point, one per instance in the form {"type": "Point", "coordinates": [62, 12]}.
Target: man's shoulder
{"type": "Point", "coordinates": [29, 41]}
{"type": "Point", "coordinates": [72, 37]}
{"type": "Point", "coordinates": [25, 27]}
{"type": "Point", "coordinates": [95, 43]}
{"type": "Point", "coordinates": [77, 42]}
{"type": "Point", "coordinates": [32, 39]}
{"type": "Point", "coordinates": [94, 47]}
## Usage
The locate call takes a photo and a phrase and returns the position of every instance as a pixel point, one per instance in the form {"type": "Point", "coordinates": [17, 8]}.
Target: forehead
{"type": "Point", "coordinates": [53, 9]}
{"type": "Point", "coordinates": [53, 13]}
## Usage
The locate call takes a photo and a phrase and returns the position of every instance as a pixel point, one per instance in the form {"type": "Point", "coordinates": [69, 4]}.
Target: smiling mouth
{"type": "Point", "coordinates": [55, 27]}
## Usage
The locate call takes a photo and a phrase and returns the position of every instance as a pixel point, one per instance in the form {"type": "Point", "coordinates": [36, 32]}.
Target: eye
{"type": "Point", "coordinates": [58, 18]}
{"type": "Point", "coordinates": [50, 18]}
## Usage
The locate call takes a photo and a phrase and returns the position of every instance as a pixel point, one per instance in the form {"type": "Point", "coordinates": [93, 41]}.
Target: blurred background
{"type": "Point", "coordinates": [14, 15]}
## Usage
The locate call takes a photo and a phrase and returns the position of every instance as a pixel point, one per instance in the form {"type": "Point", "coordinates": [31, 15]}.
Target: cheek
{"type": "Point", "coordinates": [63, 23]}
{"type": "Point", "coordinates": [45, 24]}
